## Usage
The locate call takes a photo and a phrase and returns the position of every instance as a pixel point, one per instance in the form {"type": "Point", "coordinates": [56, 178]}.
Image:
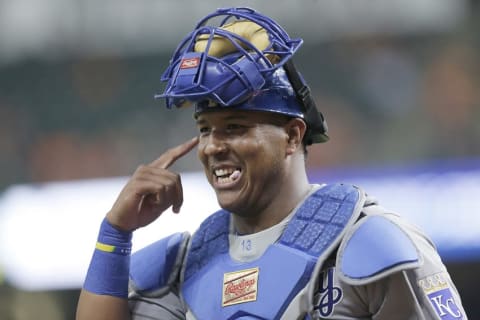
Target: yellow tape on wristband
{"type": "Point", "coordinates": [104, 247]}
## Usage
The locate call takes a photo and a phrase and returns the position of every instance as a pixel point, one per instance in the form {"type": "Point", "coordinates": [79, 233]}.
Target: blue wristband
{"type": "Point", "coordinates": [108, 272]}
{"type": "Point", "coordinates": [113, 240]}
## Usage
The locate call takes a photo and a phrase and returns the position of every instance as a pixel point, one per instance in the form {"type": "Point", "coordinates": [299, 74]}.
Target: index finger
{"type": "Point", "coordinates": [173, 154]}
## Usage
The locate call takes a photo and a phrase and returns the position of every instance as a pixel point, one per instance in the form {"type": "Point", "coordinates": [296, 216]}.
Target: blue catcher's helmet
{"type": "Point", "coordinates": [239, 58]}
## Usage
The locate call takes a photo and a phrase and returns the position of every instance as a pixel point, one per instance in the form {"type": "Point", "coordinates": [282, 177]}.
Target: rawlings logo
{"type": "Point", "coordinates": [189, 63]}
{"type": "Point", "coordinates": [240, 286]}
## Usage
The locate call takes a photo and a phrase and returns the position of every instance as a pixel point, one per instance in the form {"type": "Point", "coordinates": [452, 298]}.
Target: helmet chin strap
{"type": "Point", "coordinates": [316, 124]}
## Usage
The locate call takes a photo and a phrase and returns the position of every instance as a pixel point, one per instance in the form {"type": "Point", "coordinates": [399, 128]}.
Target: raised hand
{"type": "Point", "coordinates": [150, 191]}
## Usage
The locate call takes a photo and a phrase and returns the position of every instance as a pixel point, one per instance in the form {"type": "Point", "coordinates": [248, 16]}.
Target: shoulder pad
{"type": "Point", "coordinates": [375, 248]}
{"type": "Point", "coordinates": [323, 218]}
{"type": "Point", "coordinates": [156, 266]}
{"type": "Point", "coordinates": [210, 239]}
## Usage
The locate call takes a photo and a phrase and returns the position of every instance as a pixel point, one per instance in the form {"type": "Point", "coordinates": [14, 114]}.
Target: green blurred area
{"type": "Point", "coordinates": [387, 100]}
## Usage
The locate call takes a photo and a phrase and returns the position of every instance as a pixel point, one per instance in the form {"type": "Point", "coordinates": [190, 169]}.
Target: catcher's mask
{"type": "Point", "coordinates": [239, 58]}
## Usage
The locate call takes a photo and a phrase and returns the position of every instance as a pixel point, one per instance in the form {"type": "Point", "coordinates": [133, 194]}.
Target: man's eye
{"type": "Point", "coordinates": [204, 130]}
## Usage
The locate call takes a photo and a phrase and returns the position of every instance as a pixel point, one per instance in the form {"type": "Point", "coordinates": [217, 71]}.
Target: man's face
{"type": "Point", "coordinates": [243, 154]}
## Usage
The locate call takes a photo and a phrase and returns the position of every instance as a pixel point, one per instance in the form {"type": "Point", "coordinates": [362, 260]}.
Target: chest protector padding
{"type": "Point", "coordinates": [284, 269]}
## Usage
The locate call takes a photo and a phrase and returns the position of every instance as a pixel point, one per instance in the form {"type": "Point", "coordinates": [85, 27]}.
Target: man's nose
{"type": "Point", "coordinates": [215, 144]}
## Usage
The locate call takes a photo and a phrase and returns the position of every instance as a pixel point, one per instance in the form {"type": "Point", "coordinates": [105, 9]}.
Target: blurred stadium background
{"type": "Point", "coordinates": [398, 81]}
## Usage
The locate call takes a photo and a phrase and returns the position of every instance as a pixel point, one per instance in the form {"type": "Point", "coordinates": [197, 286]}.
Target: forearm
{"type": "Point", "coordinates": [150, 191]}
{"type": "Point", "coordinates": [101, 307]}
{"type": "Point", "coordinates": [105, 290]}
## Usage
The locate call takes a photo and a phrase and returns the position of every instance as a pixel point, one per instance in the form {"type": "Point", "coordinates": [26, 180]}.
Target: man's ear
{"type": "Point", "coordinates": [295, 129]}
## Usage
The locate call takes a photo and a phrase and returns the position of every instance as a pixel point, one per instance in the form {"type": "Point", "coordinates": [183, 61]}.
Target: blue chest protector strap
{"type": "Point", "coordinates": [216, 286]}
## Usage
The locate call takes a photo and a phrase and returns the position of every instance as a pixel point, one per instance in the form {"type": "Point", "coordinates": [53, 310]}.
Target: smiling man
{"type": "Point", "coordinates": [280, 247]}
{"type": "Point", "coordinates": [249, 159]}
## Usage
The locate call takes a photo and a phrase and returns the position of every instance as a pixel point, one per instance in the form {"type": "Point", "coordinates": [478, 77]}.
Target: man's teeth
{"type": "Point", "coordinates": [223, 172]}
{"type": "Point", "coordinates": [227, 175]}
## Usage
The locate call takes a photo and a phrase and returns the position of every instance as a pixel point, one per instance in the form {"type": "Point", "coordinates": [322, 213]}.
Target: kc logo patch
{"type": "Point", "coordinates": [438, 292]}
{"type": "Point", "coordinates": [240, 286]}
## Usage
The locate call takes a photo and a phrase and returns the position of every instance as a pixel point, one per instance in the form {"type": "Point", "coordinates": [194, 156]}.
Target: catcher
{"type": "Point", "coordinates": [280, 247]}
